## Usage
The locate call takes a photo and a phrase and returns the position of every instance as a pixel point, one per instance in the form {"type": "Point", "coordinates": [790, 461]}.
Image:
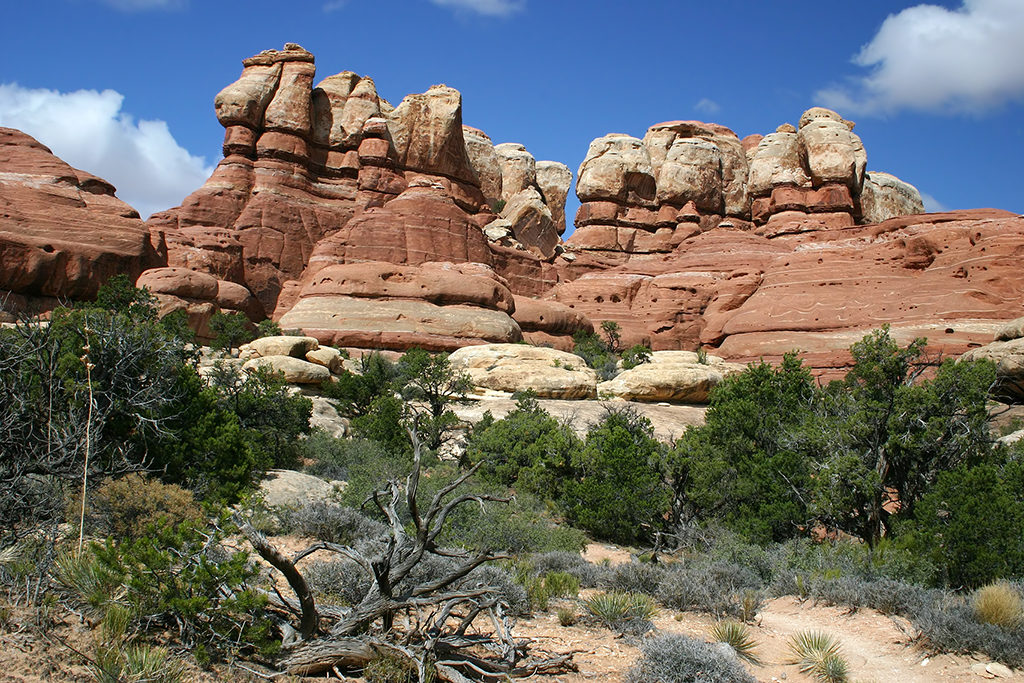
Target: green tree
{"type": "Point", "coordinates": [969, 524]}
{"type": "Point", "coordinates": [527, 449]}
{"type": "Point", "coordinates": [747, 465]}
{"type": "Point", "coordinates": [885, 435]}
{"type": "Point", "coordinates": [231, 330]}
{"type": "Point", "coordinates": [427, 380]}
{"type": "Point", "coordinates": [353, 393]}
{"type": "Point", "coordinates": [616, 492]}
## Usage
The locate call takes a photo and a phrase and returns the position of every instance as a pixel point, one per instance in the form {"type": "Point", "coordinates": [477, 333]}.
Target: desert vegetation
{"type": "Point", "coordinates": [128, 482]}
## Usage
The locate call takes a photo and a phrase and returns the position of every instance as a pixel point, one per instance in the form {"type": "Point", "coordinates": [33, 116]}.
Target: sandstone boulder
{"type": "Point", "coordinates": [617, 168]}
{"type": "Point", "coordinates": [777, 160]}
{"type": "Point", "coordinates": [518, 169]}
{"type": "Point", "coordinates": [531, 221]}
{"type": "Point", "coordinates": [328, 357]}
{"type": "Point", "coordinates": [288, 488]}
{"type": "Point", "coordinates": [295, 370]}
{"type": "Point", "coordinates": [437, 306]}
{"type": "Point", "coordinates": [549, 323]}
{"type": "Point", "coordinates": [296, 347]}
{"type": "Point", "coordinates": [1011, 330]}
{"type": "Point", "coordinates": [554, 180]}
{"type": "Point", "coordinates": [517, 367]}
{"type": "Point", "coordinates": [834, 153]}
{"type": "Point", "coordinates": [427, 134]}
{"type": "Point", "coordinates": [1009, 359]}
{"type": "Point", "coordinates": [692, 172]}
{"type": "Point", "coordinates": [485, 162]}
{"type": "Point", "coordinates": [670, 376]}
{"type": "Point", "coordinates": [179, 282]}
{"type": "Point", "coordinates": [885, 196]}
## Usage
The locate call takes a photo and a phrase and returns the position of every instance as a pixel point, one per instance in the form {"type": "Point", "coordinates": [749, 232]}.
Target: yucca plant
{"type": "Point", "coordinates": [89, 582]}
{"type": "Point", "coordinates": [614, 608]}
{"type": "Point", "coordinates": [819, 655]}
{"type": "Point", "coordinates": [738, 637]}
{"type": "Point", "coordinates": [998, 604]}
{"type": "Point", "coordinates": [136, 664]}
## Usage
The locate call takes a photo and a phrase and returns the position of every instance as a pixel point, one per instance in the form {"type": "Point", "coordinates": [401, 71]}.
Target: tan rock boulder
{"type": "Point", "coordinates": [399, 324]}
{"type": "Point", "coordinates": [296, 347]}
{"type": "Point", "coordinates": [777, 160]}
{"type": "Point", "coordinates": [555, 180]}
{"type": "Point", "coordinates": [485, 162]}
{"type": "Point", "coordinates": [834, 153]}
{"type": "Point", "coordinates": [288, 488]}
{"type": "Point", "coordinates": [427, 133]}
{"type": "Point", "coordinates": [328, 357]}
{"type": "Point", "coordinates": [692, 172]}
{"type": "Point", "coordinates": [531, 221]}
{"type": "Point", "coordinates": [517, 367]}
{"type": "Point", "coordinates": [179, 282]}
{"type": "Point", "coordinates": [295, 370]}
{"type": "Point", "coordinates": [617, 168]}
{"type": "Point", "coordinates": [885, 196]}
{"type": "Point", "coordinates": [235, 297]}
{"type": "Point", "coordinates": [329, 99]}
{"type": "Point", "coordinates": [1009, 359]}
{"type": "Point", "coordinates": [518, 169]}
{"type": "Point", "coordinates": [290, 110]}
{"type": "Point", "coordinates": [670, 376]}
{"type": "Point", "coordinates": [243, 102]}
{"type": "Point", "coordinates": [361, 105]}
{"type": "Point", "coordinates": [1011, 330]}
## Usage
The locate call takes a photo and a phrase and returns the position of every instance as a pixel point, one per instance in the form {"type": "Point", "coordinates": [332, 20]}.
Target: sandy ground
{"type": "Point", "coordinates": [879, 648]}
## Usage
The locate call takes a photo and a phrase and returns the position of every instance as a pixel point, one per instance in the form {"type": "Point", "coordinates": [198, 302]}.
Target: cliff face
{"type": "Point", "coordinates": [372, 225]}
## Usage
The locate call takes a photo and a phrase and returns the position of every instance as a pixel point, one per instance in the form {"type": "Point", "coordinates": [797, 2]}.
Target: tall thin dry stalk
{"type": "Point", "coordinates": [88, 439]}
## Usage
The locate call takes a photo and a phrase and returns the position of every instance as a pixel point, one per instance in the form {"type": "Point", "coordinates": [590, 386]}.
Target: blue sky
{"type": "Point", "coordinates": [125, 88]}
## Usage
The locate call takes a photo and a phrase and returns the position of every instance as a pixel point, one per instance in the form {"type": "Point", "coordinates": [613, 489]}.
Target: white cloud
{"type": "Point", "coordinates": [707, 106]}
{"type": "Point", "coordinates": [87, 129]}
{"type": "Point", "coordinates": [141, 5]}
{"type": "Point", "coordinates": [932, 205]}
{"type": "Point", "coordinates": [334, 5]}
{"type": "Point", "coordinates": [931, 58]}
{"type": "Point", "coordinates": [493, 8]}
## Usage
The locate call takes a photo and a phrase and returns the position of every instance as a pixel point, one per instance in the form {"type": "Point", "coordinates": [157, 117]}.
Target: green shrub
{"type": "Point", "coordinates": [717, 588]}
{"type": "Point", "coordinates": [268, 328]}
{"type": "Point", "coordinates": [126, 507]}
{"type": "Point", "coordinates": [635, 355]}
{"type": "Point", "coordinates": [330, 522]}
{"type": "Point", "coordinates": [231, 330]}
{"type": "Point", "coordinates": [596, 353]}
{"type": "Point", "coordinates": [391, 667]}
{"type": "Point", "coordinates": [616, 492]}
{"type": "Point", "coordinates": [566, 616]}
{"type": "Point", "coordinates": [180, 578]}
{"type": "Point", "coordinates": [679, 659]}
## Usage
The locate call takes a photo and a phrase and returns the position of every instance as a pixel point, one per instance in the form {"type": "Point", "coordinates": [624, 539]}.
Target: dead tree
{"type": "Point", "coordinates": [437, 613]}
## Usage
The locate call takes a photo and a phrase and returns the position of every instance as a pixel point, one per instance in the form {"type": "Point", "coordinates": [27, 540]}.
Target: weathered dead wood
{"type": "Point", "coordinates": [320, 656]}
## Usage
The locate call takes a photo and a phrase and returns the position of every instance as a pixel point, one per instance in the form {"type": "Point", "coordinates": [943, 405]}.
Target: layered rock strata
{"type": "Point", "coordinates": [63, 233]}
{"type": "Point", "coordinates": [435, 306]}
{"type": "Point", "coordinates": [508, 368]}
{"type": "Point", "coordinates": [329, 173]}
{"type": "Point", "coordinates": [647, 196]}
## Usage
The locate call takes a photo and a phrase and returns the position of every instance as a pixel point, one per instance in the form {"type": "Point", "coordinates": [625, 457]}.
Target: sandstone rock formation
{"type": "Point", "coordinates": [670, 376]}
{"type": "Point", "coordinates": [323, 174]}
{"type": "Point", "coordinates": [1007, 352]}
{"type": "Point", "coordinates": [436, 306]}
{"type": "Point", "coordinates": [646, 196]}
{"type": "Point", "coordinates": [63, 233]}
{"type": "Point", "coordinates": [517, 367]}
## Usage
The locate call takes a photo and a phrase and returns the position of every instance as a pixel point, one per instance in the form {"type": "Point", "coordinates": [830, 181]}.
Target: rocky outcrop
{"type": "Point", "coordinates": [310, 174]}
{"type": "Point", "coordinates": [641, 197]}
{"type": "Point", "coordinates": [436, 306]}
{"type": "Point", "coordinates": [670, 376]}
{"type": "Point", "coordinates": [63, 233]}
{"type": "Point", "coordinates": [331, 174]}
{"type": "Point", "coordinates": [549, 323]}
{"type": "Point", "coordinates": [516, 367]}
